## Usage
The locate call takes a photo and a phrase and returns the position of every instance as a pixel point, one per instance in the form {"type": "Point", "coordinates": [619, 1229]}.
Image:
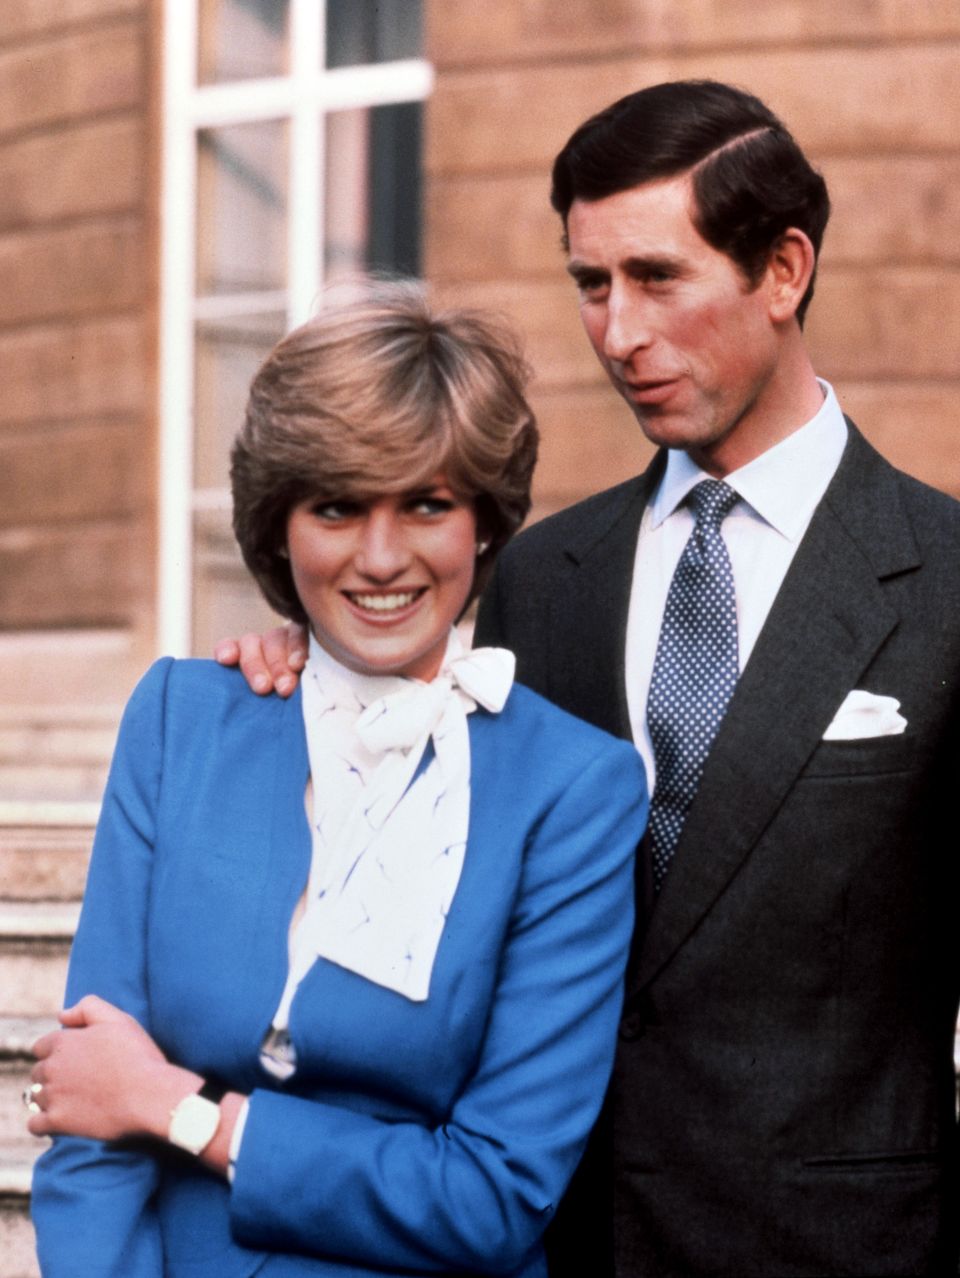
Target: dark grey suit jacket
{"type": "Point", "coordinates": [783, 1100]}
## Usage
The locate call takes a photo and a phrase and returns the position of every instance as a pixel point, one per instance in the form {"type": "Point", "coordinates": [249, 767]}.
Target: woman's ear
{"type": "Point", "coordinates": [789, 271]}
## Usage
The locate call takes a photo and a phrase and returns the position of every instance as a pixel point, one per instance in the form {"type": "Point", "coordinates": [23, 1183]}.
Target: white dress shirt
{"type": "Point", "coordinates": [779, 491]}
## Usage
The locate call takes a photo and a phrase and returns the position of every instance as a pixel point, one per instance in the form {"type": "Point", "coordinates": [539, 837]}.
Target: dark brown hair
{"type": "Point", "coordinates": [751, 181]}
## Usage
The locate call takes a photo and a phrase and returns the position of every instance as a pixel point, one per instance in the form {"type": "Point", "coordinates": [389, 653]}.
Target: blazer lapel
{"type": "Point", "coordinates": [590, 672]}
{"type": "Point", "coordinates": [826, 623]}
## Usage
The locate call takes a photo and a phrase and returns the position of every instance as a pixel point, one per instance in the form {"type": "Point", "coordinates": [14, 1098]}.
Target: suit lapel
{"type": "Point", "coordinates": [827, 622]}
{"type": "Point", "coordinates": [587, 676]}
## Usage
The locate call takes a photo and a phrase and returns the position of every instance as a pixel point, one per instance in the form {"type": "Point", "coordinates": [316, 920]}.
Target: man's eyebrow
{"type": "Point", "coordinates": [640, 264]}
{"type": "Point", "coordinates": [581, 270]}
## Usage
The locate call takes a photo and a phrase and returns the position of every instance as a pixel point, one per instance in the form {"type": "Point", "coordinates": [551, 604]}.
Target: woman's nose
{"type": "Point", "coordinates": [383, 552]}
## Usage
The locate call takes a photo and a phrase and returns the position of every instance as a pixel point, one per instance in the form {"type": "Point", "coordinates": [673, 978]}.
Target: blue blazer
{"type": "Point", "coordinates": [420, 1138]}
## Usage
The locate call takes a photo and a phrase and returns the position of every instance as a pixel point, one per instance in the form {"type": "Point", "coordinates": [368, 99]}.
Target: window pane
{"type": "Point", "coordinates": [242, 208]}
{"type": "Point", "coordinates": [372, 190]}
{"type": "Point", "coordinates": [226, 600]}
{"type": "Point", "coordinates": [242, 39]}
{"type": "Point", "coordinates": [361, 31]}
{"type": "Point", "coordinates": [228, 353]}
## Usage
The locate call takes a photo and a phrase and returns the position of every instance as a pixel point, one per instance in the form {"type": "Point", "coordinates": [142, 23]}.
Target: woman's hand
{"type": "Point", "coordinates": [104, 1077]}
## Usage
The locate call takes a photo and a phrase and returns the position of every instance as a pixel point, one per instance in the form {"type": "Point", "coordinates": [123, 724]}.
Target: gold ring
{"type": "Point", "coordinates": [29, 1097]}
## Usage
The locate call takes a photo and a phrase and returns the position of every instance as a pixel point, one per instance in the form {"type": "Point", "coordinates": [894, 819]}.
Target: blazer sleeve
{"type": "Point", "coordinates": [91, 1200]}
{"type": "Point", "coordinates": [476, 1192]}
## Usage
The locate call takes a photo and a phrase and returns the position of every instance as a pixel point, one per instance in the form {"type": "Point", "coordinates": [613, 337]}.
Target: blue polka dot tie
{"type": "Point", "coordinates": [695, 669]}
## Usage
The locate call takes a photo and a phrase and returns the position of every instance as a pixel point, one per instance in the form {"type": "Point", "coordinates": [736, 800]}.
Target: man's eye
{"type": "Point", "coordinates": [658, 277]}
{"type": "Point", "coordinates": [591, 287]}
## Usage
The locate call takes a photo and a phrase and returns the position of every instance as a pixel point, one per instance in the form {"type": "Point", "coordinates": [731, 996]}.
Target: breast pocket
{"type": "Point", "coordinates": [867, 756]}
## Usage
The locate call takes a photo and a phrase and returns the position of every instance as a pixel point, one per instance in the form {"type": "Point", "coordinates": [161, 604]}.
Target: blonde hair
{"type": "Point", "coordinates": [376, 396]}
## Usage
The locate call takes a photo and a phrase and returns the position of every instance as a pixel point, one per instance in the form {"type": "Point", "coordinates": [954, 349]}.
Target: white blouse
{"type": "Point", "coordinates": [389, 829]}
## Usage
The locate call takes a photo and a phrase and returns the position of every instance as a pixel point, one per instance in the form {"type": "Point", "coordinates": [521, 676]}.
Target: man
{"type": "Point", "coordinates": [773, 614]}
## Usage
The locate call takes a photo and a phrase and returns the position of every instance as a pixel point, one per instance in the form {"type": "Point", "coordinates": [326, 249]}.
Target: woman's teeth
{"type": "Point", "coordinates": [385, 603]}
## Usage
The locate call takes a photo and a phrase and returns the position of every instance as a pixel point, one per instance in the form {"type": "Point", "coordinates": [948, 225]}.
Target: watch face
{"type": "Point", "coordinates": [193, 1123]}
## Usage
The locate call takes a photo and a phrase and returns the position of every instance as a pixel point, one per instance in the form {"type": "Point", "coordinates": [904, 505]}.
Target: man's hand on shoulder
{"type": "Point", "coordinates": [271, 662]}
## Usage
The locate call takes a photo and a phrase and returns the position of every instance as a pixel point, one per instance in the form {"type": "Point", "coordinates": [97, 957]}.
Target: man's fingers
{"type": "Point", "coordinates": [227, 652]}
{"type": "Point", "coordinates": [254, 666]}
{"type": "Point", "coordinates": [285, 652]}
{"type": "Point", "coordinates": [271, 662]}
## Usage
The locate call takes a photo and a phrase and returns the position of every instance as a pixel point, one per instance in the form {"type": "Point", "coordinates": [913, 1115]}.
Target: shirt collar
{"type": "Point", "coordinates": [783, 485]}
{"type": "Point", "coordinates": [347, 686]}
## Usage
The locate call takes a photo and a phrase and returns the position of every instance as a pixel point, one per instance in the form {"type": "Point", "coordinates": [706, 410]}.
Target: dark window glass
{"type": "Point", "coordinates": [373, 190]}
{"type": "Point", "coordinates": [360, 31]}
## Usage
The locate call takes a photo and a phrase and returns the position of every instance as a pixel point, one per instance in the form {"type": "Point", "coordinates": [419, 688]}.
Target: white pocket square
{"type": "Point", "coordinates": [865, 714]}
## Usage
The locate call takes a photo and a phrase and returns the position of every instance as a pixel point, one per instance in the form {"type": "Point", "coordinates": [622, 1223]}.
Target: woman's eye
{"type": "Point", "coordinates": [431, 505]}
{"type": "Point", "coordinates": [334, 510]}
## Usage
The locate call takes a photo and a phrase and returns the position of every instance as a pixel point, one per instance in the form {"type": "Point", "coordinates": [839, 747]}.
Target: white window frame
{"type": "Point", "coordinates": [302, 98]}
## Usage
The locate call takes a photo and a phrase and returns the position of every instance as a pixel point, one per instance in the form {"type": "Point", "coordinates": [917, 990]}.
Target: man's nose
{"type": "Point", "coordinates": [383, 552]}
{"type": "Point", "coordinates": [628, 328]}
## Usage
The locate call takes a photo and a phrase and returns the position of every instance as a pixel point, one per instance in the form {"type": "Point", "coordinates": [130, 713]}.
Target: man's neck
{"type": "Point", "coordinates": [791, 398]}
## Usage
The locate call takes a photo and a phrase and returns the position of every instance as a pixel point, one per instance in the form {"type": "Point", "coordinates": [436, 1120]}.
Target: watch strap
{"type": "Point", "coordinates": [213, 1090]}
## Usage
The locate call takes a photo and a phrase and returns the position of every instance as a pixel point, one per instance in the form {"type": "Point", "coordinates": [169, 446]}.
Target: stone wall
{"type": "Point", "coordinates": [78, 159]}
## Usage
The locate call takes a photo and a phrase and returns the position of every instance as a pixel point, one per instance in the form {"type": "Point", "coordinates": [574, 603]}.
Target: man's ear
{"type": "Point", "coordinates": [789, 271]}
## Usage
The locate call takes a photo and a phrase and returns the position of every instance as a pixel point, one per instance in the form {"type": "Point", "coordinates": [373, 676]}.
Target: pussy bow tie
{"type": "Point", "coordinates": [402, 719]}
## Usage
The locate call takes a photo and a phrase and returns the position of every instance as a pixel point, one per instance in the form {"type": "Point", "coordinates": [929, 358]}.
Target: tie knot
{"type": "Point", "coordinates": [712, 501]}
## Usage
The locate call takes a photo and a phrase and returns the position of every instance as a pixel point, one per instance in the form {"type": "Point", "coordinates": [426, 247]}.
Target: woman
{"type": "Point", "coordinates": [347, 975]}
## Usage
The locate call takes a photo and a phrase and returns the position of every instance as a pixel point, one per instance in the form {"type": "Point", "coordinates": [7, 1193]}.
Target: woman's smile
{"type": "Point", "coordinates": [388, 606]}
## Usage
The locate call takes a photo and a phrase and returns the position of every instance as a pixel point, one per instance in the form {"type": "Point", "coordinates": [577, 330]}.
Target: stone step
{"type": "Point", "coordinates": [44, 849]}
{"type": "Point", "coordinates": [82, 668]}
{"type": "Point", "coordinates": [70, 783]}
{"type": "Point", "coordinates": [58, 734]}
{"type": "Point", "coordinates": [55, 752]}
{"type": "Point", "coordinates": [17, 1245]}
{"type": "Point", "coordinates": [35, 941]}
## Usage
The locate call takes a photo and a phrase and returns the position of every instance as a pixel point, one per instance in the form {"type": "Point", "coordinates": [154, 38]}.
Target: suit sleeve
{"type": "Point", "coordinates": [91, 1200]}
{"type": "Point", "coordinates": [477, 1192]}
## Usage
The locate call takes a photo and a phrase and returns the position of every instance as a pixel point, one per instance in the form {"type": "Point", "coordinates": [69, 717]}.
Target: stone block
{"type": "Point", "coordinates": [92, 574]}
{"type": "Point", "coordinates": [502, 31]}
{"type": "Point", "coordinates": [886, 323]}
{"type": "Point", "coordinates": [546, 317]}
{"type": "Point", "coordinates": [882, 98]}
{"type": "Point", "coordinates": [74, 270]}
{"type": "Point", "coordinates": [83, 74]}
{"type": "Point", "coordinates": [25, 18]}
{"type": "Point", "coordinates": [90, 368]}
{"type": "Point", "coordinates": [489, 228]}
{"type": "Point", "coordinates": [589, 441]}
{"type": "Point", "coordinates": [914, 424]}
{"type": "Point", "coordinates": [74, 172]}
{"type": "Point", "coordinates": [90, 471]}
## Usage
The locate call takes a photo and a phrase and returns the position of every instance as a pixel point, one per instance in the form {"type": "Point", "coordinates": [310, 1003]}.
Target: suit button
{"type": "Point", "coordinates": [632, 1027]}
